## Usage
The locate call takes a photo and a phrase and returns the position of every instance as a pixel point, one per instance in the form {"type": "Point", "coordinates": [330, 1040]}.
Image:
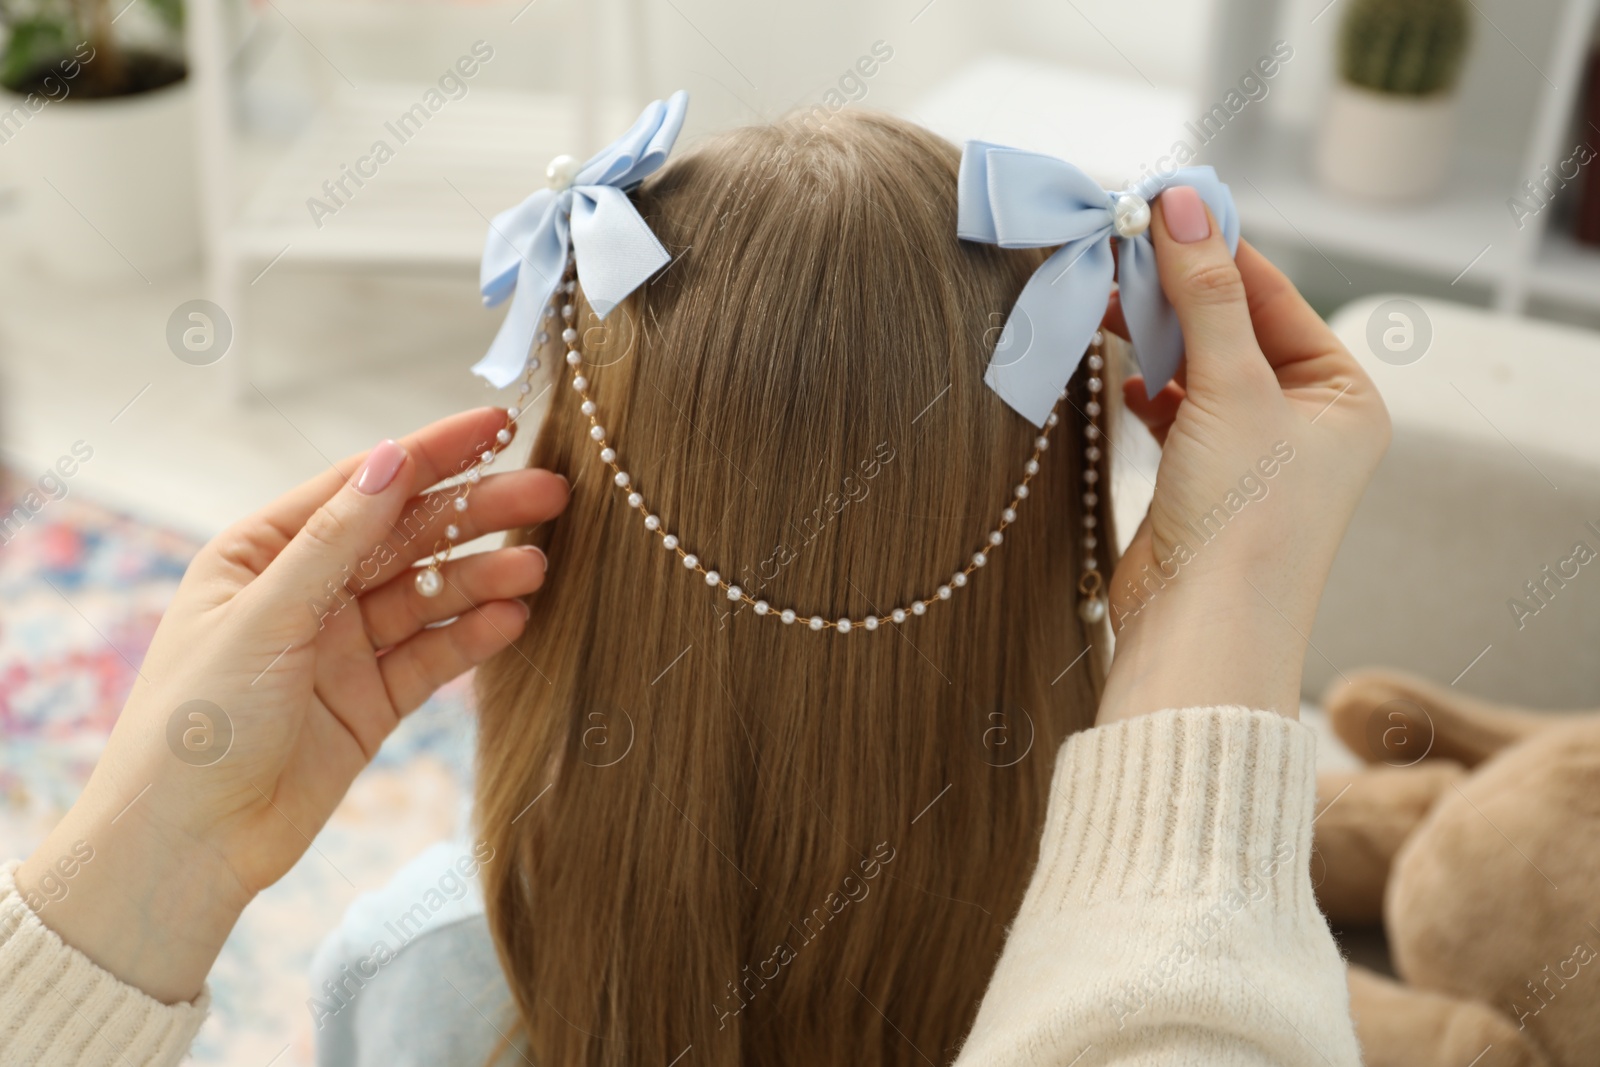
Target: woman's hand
{"type": "Point", "coordinates": [296, 643]}
{"type": "Point", "coordinates": [1268, 443]}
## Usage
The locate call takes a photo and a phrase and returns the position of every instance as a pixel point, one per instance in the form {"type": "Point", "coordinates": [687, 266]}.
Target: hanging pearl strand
{"type": "Point", "coordinates": [1091, 605]}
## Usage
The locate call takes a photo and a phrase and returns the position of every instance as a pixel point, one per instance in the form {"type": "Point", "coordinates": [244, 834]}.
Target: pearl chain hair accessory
{"type": "Point", "coordinates": [1092, 607]}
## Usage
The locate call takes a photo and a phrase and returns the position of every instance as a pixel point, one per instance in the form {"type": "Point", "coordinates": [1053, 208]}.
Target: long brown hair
{"type": "Point", "coordinates": [713, 830]}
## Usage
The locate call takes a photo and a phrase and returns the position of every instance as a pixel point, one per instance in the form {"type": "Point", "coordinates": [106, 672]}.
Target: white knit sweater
{"type": "Point", "coordinates": [1170, 920]}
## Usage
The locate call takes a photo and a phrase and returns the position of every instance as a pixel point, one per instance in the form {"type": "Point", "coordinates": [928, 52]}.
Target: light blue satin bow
{"type": "Point", "coordinates": [526, 249]}
{"type": "Point", "coordinates": [1018, 199]}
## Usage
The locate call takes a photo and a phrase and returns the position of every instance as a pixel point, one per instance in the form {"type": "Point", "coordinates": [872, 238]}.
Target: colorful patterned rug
{"type": "Point", "coordinates": [83, 588]}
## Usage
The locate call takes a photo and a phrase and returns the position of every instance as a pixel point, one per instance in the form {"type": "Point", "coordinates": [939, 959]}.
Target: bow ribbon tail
{"type": "Point", "coordinates": [1049, 329]}
{"type": "Point", "coordinates": [615, 249]}
{"type": "Point", "coordinates": [542, 253]}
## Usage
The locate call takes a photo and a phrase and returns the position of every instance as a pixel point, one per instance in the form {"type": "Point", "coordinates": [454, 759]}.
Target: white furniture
{"type": "Point", "coordinates": [1494, 475]}
{"type": "Point", "coordinates": [453, 165]}
{"type": "Point", "coordinates": [1520, 106]}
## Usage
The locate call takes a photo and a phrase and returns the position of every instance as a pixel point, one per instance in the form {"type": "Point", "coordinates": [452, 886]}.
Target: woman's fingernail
{"type": "Point", "coordinates": [1185, 213]}
{"type": "Point", "coordinates": [526, 610]}
{"type": "Point", "coordinates": [536, 548]}
{"type": "Point", "coordinates": [379, 470]}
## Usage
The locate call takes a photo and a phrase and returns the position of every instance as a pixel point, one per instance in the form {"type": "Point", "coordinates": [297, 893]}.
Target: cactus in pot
{"type": "Point", "coordinates": [1406, 47]}
{"type": "Point", "coordinates": [1389, 129]}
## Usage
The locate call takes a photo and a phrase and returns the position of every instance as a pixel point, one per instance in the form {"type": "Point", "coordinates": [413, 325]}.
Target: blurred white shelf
{"type": "Point", "coordinates": [1466, 223]}
{"type": "Point", "coordinates": [1567, 271]}
{"type": "Point", "coordinates": [429, 203]}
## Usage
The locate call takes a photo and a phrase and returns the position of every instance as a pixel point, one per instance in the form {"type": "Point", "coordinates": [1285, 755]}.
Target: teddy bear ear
{"type": "Point", "coordinates": [1398, 719]}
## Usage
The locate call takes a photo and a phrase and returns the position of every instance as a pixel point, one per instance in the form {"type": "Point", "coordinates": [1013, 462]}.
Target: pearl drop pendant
{"type": "Point", "coordinates": [429, 582]}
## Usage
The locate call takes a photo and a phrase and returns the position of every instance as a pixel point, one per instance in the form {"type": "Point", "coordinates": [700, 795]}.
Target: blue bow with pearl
{"type": "Point", "coordinates": [586, 211]}
{"type": "Point", "coordinates": [1018, 199]}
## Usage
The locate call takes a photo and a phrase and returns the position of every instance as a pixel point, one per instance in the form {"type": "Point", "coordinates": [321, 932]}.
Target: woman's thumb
{"type": "Point", "coordinates": [1203, 283]}
{"type": "Point", "coordinates": [339, 534]}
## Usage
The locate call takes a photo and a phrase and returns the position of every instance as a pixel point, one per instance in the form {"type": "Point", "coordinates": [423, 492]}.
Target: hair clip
{"type": "Point", "coordinates": [1018, 199]}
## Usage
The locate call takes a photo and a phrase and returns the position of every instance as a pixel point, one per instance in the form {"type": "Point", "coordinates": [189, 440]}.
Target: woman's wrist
{"type": "Point", "coordinates": [1208, 640]}
{"type": "Point", "coordinates": [143, 902]}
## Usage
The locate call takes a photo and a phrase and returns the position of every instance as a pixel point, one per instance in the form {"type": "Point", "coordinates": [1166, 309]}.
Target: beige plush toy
{"type": "Point", "coordinates": [1474, 836]}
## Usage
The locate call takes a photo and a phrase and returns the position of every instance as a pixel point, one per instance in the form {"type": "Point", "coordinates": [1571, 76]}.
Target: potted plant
{"type": "Point", "coordinates": [97, 134]}
{"type": "Point", "coordinates": [1390, 122]}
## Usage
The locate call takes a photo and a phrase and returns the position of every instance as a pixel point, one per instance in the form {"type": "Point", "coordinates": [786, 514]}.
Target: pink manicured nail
{"type": "Point", "coordinates": [379, 471]}
{"type": "Point", "coordinates": [1185, 213]}
{"type": "Point", "coordinates": [536, 548]}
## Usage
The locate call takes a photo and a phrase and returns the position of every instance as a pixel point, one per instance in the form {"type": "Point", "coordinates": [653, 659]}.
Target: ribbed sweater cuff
{"type": "Point", "coordinates": [58, 1007]}
{"type": "Point", "coordinates": [1195, 803]}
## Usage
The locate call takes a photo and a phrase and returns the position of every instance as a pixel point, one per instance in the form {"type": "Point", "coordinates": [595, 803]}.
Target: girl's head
{"type": "Point", "coordinates": [713, 829]}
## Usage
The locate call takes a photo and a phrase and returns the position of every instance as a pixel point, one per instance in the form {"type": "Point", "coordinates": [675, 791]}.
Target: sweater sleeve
{"type": "Point", "coordinates": [58, 1007]}
{"type": "Point", "coordinates": [1170, 919]}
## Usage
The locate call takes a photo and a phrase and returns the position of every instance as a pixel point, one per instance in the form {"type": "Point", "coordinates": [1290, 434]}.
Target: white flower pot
{"type": "Point", "coordinates": [1385, 146]}
{"type": "Point", "coordinates": [103, 189]}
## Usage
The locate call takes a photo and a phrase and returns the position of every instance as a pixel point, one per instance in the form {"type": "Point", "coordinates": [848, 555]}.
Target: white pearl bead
{"type": "Point", "coordinates": [816, 622]}
{"type": "Point", "coordinates": [1094, 385]}
{"type": "Point", "coordinates": [568, 311]}
{"type": "Point", "coordinates": [587, 407]}
{"type": "Point", "coordinates": [762, 607]}
{"type": "Point", "coordinates": [712, 577]}
{"type": "Point", "coordinates": [1092, 609]}
{"type": "Point", "coordinates": [898, 614]}
{"type": "Point", "coordinates": [524, 389]}
{"type": "Point", "coordinates": [571, 286]}
{"type": "Point", "coordinates": [1092, 407]}
{"type": "Point", "coordinates": [474, 475]}
{"type": "Point", "coordinates": [544, 337]}
{"type": "Point", "coordinates": [735, 593]}
{"type": "Point", "coordinates": [669, 541]}
{"type": "Point", "coordinates": [1091, 476]}
{"type": "Point", "coordinates": [1091, 499]}
{"type": "Point", "coordinates": [574, 357]}
{"type": "Point", "coordinates": [569, 335]}
{"type": "Point", "coordinates": [995, 537]}
{"type": "Point", "coordinates": [1099, 339]}
{"type": "Point", "coordinates": [788, 615]}
{"type": "Point", "coordinates": [503, 436]}
{"type": "Point", "coordinates": [844, 626]}
{"type": "Point", "coordinates": [461, 503]}
{"type": "Point", "coordinates": [1092, 453]}
{"type": "Point", "coordinates": [534, 364]}
{"type": "Point", "coordinates": [980, 558]}
{"type": "Point", "coordinates": [1090, 522]}
{"type": "Point", "coordinates": [918, 607]}
{"type": "Point", "coordinates": [635, 500]}
{"type": "Point", "coordinates": [580, 383]}
{"type": "Point", "coordinates": [487, 458]}
{"type": "Point", "coordinates": [958, 579]}
{"type": "Point", "coordinates": [652, 522]}
{"type": "Point", "coordinates": [452, 531]}
{"type": "Point", "coordinates": [1091, 564]}
{"type": "Point", "coordinates": [1041, 443]}
{"type": "Point", "coordinates": [597, 432]}
{"type": "Point", "coordinates": [870, 622]}
{"type": "Point", "coordinates": [944, 592]}
{"type": "Point", "coordinates": [1020, 492]}
{"type": "Point", "coordinates": [1052, 419]}
{"type": "Point", "coordinates": [1130, 215]}
{"type": "Point", "coordinates": [1090, 540]}
{"type": "Point", "coordinates": [1009, 515]}
{"type": "Point", "coordinates": [513, 413]}
{"type": "Point", "coordinates": [1095, 362]}
{"type": "Point", "coordinates": [1091, 432]}
{"type": "Point", "coordinates": [562, 172]}
{"type": "Point", "coordinates": [429, 582]}
{"type": "Point", "coordinates": [622, 479]}
{"type": "Point", "coordinates": [691, 561]}
{"type": "Point", "coordinates": [608, 455]}
{"type": "Point", "coordinates": [1031, 467]}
